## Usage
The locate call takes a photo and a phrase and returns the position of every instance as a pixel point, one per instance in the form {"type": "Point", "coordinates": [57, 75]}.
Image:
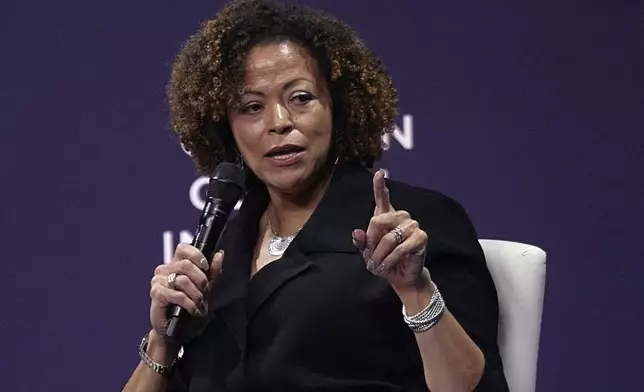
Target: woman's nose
{"type": "Point", "coordinates": [280, 119]}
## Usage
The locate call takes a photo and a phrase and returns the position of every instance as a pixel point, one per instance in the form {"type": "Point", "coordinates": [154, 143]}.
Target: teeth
{"type": "Point", "coordinates": [285, 156]}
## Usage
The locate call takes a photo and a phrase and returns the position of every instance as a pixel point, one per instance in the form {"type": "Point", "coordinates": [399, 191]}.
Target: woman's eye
{"type": "Point", "coordinates": [251, 108]}
{"type": "Point", "coordinates": [302, 98]}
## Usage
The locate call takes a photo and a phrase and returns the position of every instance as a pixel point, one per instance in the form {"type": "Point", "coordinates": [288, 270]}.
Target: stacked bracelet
{"type": "Point", "coordinates": [157, 367]}
{"type": "Point", "coordinates": [427, 317]}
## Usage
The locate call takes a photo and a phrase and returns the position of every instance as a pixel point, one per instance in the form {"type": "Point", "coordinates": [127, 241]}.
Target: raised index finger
{"type": "Point", "coordinates": [381, 194]}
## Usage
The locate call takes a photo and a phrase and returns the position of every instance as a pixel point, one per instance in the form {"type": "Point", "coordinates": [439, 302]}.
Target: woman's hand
{"type": "Point", "coordinates": [183, 282]}
{"type": "Point", "coordinates": [393, 245]}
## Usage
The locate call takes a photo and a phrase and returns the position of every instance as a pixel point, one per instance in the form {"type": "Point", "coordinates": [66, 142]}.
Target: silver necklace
{"type": "Point", "coordinates": [277, 245]}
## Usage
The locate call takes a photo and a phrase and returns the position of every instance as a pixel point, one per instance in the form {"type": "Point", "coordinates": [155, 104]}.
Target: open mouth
{"type": "Point", "coordinates": [284, 152]}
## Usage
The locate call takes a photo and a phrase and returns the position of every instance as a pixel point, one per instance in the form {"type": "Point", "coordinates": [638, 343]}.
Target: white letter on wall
{"type": "Point", "coordinates": [404, 136]}
{"type": "Point", "coordinates": [168, 243]}
{"type": "Point", "coordinates": [195, 192]}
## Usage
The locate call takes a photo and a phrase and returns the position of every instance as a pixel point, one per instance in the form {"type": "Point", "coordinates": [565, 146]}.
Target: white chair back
{"type": "Point", "coordinates": [519, 272]}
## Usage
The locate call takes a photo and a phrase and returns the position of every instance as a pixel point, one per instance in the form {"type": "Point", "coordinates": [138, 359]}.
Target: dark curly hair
{"type": "Point", "coordinates": [207, 77]}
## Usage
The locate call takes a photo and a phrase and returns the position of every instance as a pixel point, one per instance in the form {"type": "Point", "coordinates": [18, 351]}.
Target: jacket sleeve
{"type": "Point", "coordinates": [457, 265]}
{"type": "Point", "coordinates": [176, 383]}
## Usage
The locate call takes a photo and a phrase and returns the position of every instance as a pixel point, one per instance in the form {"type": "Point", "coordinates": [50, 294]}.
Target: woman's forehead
{"type": "Point", "coordinates": [277, 64]}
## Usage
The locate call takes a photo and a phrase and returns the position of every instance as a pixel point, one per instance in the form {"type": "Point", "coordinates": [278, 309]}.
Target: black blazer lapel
{"type": "Point", "coordinates": [273, 276]}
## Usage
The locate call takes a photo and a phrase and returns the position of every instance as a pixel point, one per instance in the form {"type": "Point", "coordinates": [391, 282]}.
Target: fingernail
{"type": "Point", "coordinates": [370, 265]}
{"type": "Point", "coordinates": [366, 254]}
{"type": "Point", "coordinates": [354, 240]}
{"type": "Point", "coordinates": [204, 264]}
{"type": "Point", "coordinates": [382, 267]}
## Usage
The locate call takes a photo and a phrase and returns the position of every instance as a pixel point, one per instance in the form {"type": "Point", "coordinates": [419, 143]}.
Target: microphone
{"type": "Point", "coordinates": [224, 190]}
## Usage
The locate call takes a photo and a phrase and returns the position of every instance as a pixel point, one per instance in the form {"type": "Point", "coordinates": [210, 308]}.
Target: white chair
{"type": "Point", "coordinates": [519, 272]}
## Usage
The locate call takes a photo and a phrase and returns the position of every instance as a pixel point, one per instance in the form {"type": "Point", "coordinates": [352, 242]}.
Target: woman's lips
{"type": "Point", "coordinates": [286, 159]}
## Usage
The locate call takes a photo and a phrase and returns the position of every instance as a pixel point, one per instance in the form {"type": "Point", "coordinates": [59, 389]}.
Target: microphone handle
{"type": "Point", "coordinates": [211, 225]}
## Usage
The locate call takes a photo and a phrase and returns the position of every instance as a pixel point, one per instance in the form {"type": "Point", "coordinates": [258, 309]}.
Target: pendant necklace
{"type": "Point", "coordinates": [277, 245]}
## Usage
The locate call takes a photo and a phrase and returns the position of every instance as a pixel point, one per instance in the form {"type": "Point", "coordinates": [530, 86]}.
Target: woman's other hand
{"type": "Point", "coordinates": [393, 245]}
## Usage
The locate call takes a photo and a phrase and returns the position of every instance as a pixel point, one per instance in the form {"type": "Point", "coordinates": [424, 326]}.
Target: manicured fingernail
{"type": "Point", "coordinates": [382, 267]}
{"type": "Point", "coordinates": [354, 240]}
{"type": "Point", "coordinates": [204, 264]}
{"type": "Point", "coordinates": [366, 254]}
{"type": "Point", "coordinates": [370, 265]}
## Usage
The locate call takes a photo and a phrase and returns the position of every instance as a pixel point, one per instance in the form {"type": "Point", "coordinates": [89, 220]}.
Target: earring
{"type": "Point", "coordinates": [240, 161]}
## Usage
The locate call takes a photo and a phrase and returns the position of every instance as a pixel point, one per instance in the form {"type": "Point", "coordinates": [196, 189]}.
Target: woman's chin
{"type": "Point", "coordinates": [286, 185]}
{"type": "Point", "coordinates": [291, 180]}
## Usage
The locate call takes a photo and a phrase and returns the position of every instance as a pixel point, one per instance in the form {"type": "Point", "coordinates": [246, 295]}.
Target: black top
{"type": "Point", "coordinates": [316, 319]}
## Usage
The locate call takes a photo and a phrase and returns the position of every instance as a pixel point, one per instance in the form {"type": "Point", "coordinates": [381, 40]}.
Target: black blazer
{"type": "Point", "coordinates": [317, 320]}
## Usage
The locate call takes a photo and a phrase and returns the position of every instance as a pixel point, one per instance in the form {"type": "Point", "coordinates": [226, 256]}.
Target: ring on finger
{"type": "Point", "coordinates": [172, 278]}
{"type": "Point", "coordinates": [398, 233]}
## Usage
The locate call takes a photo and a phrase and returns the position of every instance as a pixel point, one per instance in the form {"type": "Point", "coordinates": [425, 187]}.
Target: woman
{"type": "Point", "coordinates": [329, 277]}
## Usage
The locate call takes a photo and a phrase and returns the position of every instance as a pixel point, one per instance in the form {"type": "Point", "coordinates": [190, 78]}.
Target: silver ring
{"type": "Point", "coordinates": [399, 234]}
{"type": "Point", "coordinates": [172, 278]}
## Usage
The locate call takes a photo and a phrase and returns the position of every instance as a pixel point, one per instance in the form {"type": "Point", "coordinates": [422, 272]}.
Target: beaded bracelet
{"type": "Point", "coordinates": [427, 317]}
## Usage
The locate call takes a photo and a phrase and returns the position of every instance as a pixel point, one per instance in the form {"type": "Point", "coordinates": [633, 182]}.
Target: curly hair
{"type": "Point", "coordinates": [207, 78]}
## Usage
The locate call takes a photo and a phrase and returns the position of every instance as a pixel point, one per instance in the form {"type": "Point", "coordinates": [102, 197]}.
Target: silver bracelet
{"type": "Point", "coordinates": [427, 317]}
{"type": "Point", "coordinates": [157, 367]}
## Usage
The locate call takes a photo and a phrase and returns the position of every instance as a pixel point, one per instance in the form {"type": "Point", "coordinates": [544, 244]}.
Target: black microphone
{"type": "Point", "coordinates": [224, 190]}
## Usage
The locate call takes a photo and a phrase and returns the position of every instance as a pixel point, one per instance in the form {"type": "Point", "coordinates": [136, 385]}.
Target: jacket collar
{"type": "Point", "coordinates": [347, 205]}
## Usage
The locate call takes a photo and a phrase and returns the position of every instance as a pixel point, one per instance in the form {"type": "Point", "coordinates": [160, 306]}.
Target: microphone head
{"type": "Point", "coordinates": [226, 183]}
{"type": "Point", "coordinates": [230, 172]}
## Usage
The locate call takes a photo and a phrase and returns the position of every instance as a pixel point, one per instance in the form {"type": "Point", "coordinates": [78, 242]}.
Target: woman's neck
{"type": "Point", "coordinates": [288, 212]}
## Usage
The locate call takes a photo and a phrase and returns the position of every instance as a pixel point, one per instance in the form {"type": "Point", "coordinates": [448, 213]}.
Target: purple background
{"type": "Point", "coordinates": [531, 115]}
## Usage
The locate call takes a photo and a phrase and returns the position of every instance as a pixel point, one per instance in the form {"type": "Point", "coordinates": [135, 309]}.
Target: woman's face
{"type": "Point", "coordinates": [283, 124]}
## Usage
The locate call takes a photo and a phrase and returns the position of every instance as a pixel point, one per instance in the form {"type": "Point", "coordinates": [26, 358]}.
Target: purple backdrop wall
{"type": "Point", "coordinates": [531, 115]}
